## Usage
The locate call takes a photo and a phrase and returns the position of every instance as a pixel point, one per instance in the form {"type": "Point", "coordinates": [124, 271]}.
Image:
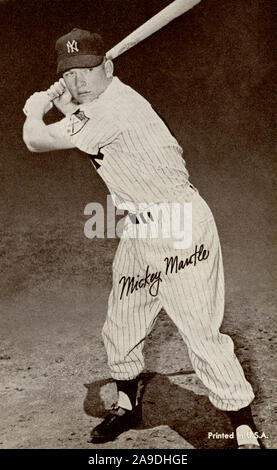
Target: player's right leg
{"type": "Point", "coordinates": [131, 316]}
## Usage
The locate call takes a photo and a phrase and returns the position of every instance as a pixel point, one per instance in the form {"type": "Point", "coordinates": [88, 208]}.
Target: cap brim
{"type": "Point", "coordinates": [78, 60]}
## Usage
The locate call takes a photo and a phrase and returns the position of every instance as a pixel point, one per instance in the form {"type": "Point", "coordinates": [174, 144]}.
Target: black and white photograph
{"type": "Point", "coordinates": [138, 227]}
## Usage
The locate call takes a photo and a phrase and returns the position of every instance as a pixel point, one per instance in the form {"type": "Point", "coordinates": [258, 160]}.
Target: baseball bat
{"type": "Point", "coordinates": [169, 13]}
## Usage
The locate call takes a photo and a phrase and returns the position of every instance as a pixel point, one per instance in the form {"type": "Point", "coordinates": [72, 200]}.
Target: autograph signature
{"type": "Point", "coordinates": [153, 280]}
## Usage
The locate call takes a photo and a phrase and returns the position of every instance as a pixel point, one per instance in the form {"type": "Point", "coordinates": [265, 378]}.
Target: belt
{"type": "Point", "coordinates": [135, 220]}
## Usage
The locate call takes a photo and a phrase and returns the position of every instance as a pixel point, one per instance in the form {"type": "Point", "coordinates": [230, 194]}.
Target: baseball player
{"type": "Point", "coordinates": [142, 165]}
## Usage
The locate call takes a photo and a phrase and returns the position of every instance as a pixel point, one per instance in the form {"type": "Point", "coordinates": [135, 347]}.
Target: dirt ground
{"type": "Point", "coordinates": [211, 78]}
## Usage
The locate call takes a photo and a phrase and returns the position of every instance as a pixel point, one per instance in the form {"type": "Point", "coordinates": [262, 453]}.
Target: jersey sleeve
{"type": "Point", "coordinates": [91, 128]}
{"type": "Point", "coordinates": [61, 127]}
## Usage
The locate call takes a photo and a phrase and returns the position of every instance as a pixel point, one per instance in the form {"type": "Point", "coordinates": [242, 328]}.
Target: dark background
{"type": "Point", "coordinates": [210, 74]}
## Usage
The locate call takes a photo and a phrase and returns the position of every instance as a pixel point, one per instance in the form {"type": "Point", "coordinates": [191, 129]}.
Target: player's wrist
{"type": "Point", "coordinates": [66, 108]}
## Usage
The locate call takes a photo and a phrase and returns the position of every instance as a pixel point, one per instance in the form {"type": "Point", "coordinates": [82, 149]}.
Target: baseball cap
{"type": "Point", "coordinates": [79, 48]}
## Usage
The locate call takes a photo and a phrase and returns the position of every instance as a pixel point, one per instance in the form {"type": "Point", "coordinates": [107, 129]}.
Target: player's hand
{"type": "Point", "coordinates": [61, 97]}
{"type": "Point", "coordinates": [37, 105]}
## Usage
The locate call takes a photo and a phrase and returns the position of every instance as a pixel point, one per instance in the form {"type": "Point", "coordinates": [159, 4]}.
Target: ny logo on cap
{"type": "Point", "coordinates": [72, 46]}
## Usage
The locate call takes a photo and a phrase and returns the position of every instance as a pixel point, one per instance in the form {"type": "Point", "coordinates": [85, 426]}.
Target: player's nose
{"type": "Point", "coordinates": [80, 79]}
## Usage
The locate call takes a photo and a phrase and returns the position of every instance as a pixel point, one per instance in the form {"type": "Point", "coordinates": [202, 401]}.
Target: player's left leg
{"type": "Point", "coordinates": [194, 299]}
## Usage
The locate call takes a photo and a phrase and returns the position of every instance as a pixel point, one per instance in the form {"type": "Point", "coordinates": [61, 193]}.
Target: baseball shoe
{"type": "Point", "coordinates": [245, 429]}
{"type": "Point", "coordinates": [117, 421]}
{"type": "Point", "coordinates": [249, 446]}
{"type": "Point", "coordinates": [259, 445]}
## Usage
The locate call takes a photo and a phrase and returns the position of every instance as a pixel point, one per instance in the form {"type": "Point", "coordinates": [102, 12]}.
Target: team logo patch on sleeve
{"type": "Point", "coordinates": [77, 121]}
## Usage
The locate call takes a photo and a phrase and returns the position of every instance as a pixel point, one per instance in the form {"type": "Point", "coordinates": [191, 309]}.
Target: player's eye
{"type": "Point", "coordinates": [69, 74]}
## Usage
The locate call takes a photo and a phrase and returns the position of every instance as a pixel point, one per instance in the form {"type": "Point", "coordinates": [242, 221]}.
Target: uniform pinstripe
{"type": "Point", "coordinates": [142, 162]}
{"type": "Point", "coordinates": [136, 145]}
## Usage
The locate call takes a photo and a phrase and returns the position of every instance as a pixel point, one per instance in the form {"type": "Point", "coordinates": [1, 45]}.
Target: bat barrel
{"type": "Point", "coordinates": [169, 13]}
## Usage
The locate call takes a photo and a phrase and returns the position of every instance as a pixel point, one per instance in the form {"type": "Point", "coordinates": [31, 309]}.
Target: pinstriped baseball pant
{"type": "Point", "coordinates": [194, 300]}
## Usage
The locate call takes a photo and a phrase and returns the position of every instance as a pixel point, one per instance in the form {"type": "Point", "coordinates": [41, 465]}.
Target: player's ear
{"type": "Point", "coordinates": [108, 68]}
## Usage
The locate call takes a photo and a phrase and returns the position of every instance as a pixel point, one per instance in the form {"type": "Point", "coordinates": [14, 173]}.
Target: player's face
{"type": "Point", "coordinates": [86, 84]}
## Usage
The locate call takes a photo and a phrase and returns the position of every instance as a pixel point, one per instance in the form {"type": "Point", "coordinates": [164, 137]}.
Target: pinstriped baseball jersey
{"type": "Point", "coordinates": [130, 146]}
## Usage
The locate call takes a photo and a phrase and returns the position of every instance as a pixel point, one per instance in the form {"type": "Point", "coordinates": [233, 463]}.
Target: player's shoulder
{"type": "Point", "coordinates": [125, 101]}
{"type": "Point", "coordinates": [127, 91]}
